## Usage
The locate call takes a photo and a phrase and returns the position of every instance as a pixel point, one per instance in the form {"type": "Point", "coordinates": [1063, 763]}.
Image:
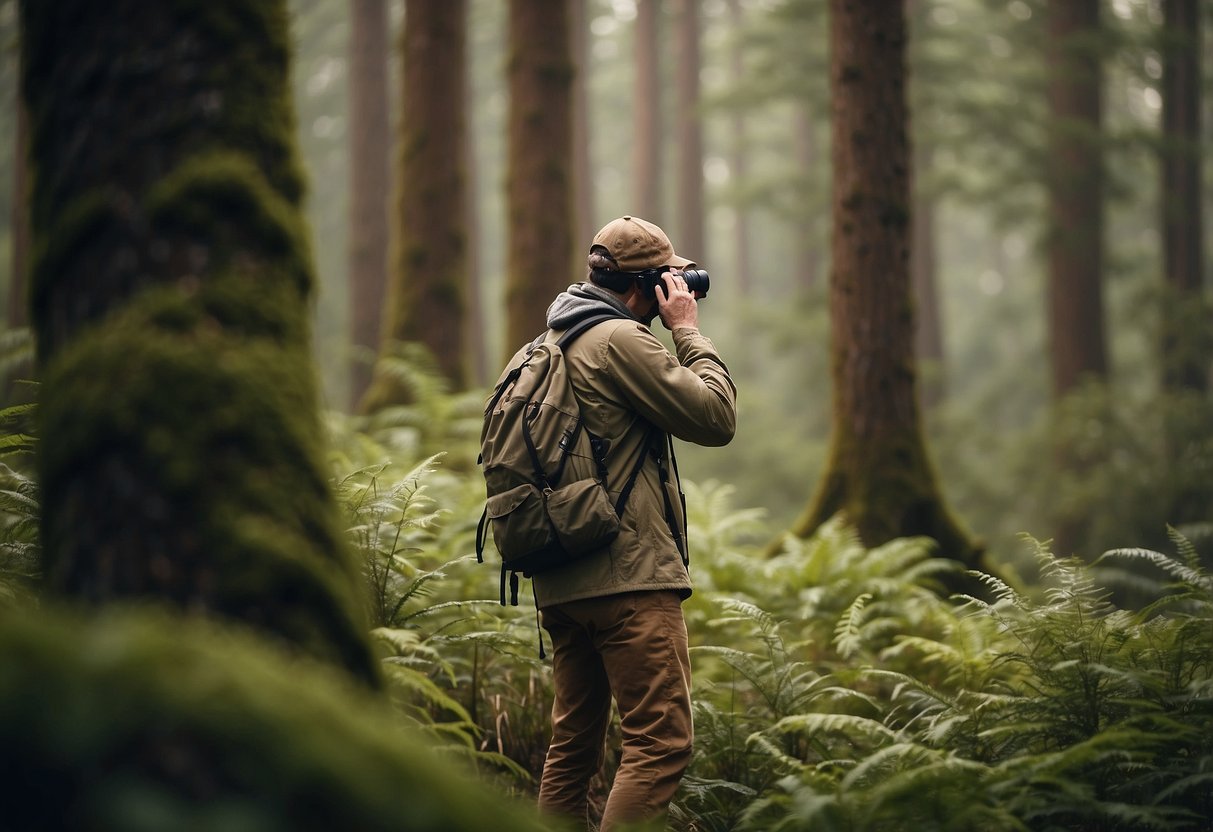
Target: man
{"type": "Point", "coordinates": [615, 617]}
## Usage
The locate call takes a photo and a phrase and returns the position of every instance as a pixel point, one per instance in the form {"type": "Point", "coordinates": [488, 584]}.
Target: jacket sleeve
{"type": "Point", "coordinates": [691, 397]}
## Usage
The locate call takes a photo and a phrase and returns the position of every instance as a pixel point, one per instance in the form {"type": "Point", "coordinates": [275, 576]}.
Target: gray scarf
{"type": "Point", "coordinates": [582, 300]}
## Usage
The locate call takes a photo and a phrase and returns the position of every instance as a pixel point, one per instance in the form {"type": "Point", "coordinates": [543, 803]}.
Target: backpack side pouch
{"type": "Point", "coordinates": [535, 532]}
{"type": "Point", "coordinates": [520, 524]}
{"type": "Point", "coordinates": [583, 517]}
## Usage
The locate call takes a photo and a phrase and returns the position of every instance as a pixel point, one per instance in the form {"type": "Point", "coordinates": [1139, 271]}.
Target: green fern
{"type": "Point", "coordinates": [1056, 710]}
{"type": "Point", "coordinates": [20, 541]}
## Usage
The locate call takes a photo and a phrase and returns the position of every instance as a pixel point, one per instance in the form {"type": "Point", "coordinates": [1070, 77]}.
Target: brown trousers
{"type": "Point", "coordinates": [632, 646]}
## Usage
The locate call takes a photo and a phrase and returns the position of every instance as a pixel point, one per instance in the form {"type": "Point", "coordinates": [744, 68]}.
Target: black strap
{"type": "Point", "coordinates": [682, 498]}
{"type": "Point", "coordinates": [538, 628]}
{"type": "Point", "coordinates": [541, 476]}
{"type": "Point", "coordinates": [671, 519]}
{"type": "Point", "coordinates": [513, 576]}
{"type": "Point", "coordinates": [581, 326]}
{"type": "Point", "coordinates": [482, 534]}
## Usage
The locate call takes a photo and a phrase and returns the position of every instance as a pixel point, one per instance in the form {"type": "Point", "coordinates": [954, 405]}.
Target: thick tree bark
{"type": "Point", "coordinates": [427, 290]}
{"type": "Point", "coordinates": [646, 99]}
{"type": "Point", "coordinates": [1075, 235]}
{"type": "Point", "coordinates": [370, 174]}
{"type": "Point", "coordinates": [181, 458]}
{"type": "Point", "coordinates": [1185, 321]}
{"type": "Point", "coordinates": [689, 131]}
{"type": "Point", "coordinates": [539, 188]}
{"type": "Point", "coordinates": [878, 474]}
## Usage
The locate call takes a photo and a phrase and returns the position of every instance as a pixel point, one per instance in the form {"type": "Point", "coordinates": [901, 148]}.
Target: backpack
{"type": "Point", "coordinates": [545, 473]}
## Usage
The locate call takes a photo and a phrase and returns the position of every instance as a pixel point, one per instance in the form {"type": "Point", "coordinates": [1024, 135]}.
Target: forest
{"type": "Point", "coordinates": [263, 264]}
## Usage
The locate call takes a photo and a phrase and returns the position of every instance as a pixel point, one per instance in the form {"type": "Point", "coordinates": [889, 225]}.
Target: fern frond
{"type": "Point", "coordinates": [852, 727]}
{"type": "Point", "coordinates": [1201, 781]}
{"type": "Point", "coordinates": [847, 638]}
{"type": "Point", "coordinates": [1003, 592]}
{"type": "Point", "coordinates": [421, 687]}
{"type": "Point", "coordinates": [767, 747]}
{"type": "Point", "coordinates": [1184, 572]}
{"type": "Point", "coordinates": [746, 612]}
{"type": "Point", "coordinates": [887, 759]}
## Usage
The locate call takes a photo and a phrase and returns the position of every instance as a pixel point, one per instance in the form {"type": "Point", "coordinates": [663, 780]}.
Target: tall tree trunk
{"type": "Point", "coordinates": [878, 475]}
{"type": "Point", "coordinates": [477, 343]}
{"type": "Point", "coordinates": [928, 339]}
{"type": "Point", "coordinates": [738, 155]}
{"type": "Point", "coordinates": [539, 189]}
{"type": "Point", "coordinates": [1077, 348]}
{"type": "Point", "coordinates": [426, 301]}
{"type": "Point", "coordinates": [583, 173]}
{"type": "Point", "coordinates": [1185, 322]}
{"type": "Point", "coordinates": [1075, 234]}
{"type": "Point", "coordinates": [689, 131]}
{"type": "Point", "coordinates": [370, 175]}
{"type": "Point", "coordinates": [646, 101]}
{"type": "Point", "coordinates": [181, 459]}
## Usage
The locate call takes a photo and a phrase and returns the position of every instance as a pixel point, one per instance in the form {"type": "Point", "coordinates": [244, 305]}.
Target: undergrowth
{"type": "Point", "coordinates": [837, 687]}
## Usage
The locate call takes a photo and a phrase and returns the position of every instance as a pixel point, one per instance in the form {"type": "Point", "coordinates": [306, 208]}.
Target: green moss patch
{"type": "Point", "coordinates": [141, 721]}
{"type": "Point", "coordinates": [186, 465]}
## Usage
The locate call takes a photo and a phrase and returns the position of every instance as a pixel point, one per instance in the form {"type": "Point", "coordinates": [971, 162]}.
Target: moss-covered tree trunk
{"type": "Point", "coordinates": [878, 474]}
{"type": "Point", "coordinates": [181, 455]}
{"type": "Point", "coordinates": [370, 145]}
{"type": "Point", "coordinates": [427, 291]}
{"type": "Point", "coordinates": [539, 187]}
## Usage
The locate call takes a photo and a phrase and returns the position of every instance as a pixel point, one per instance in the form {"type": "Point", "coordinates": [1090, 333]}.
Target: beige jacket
{"type": "Point", "coordinates": [627, 382]}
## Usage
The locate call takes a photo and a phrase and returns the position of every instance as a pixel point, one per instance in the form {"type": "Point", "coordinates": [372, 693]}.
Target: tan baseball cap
{"type": "Point", "coordinates": [637, 245]}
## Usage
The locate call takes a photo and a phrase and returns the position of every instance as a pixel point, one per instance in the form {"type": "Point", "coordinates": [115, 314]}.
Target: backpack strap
{"type": "Point", "coordinates": [482, 534]}
{"type": "Point", "coordinates": [581, 326]}
{"type": "Point", "coordinates": [562, 342]}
